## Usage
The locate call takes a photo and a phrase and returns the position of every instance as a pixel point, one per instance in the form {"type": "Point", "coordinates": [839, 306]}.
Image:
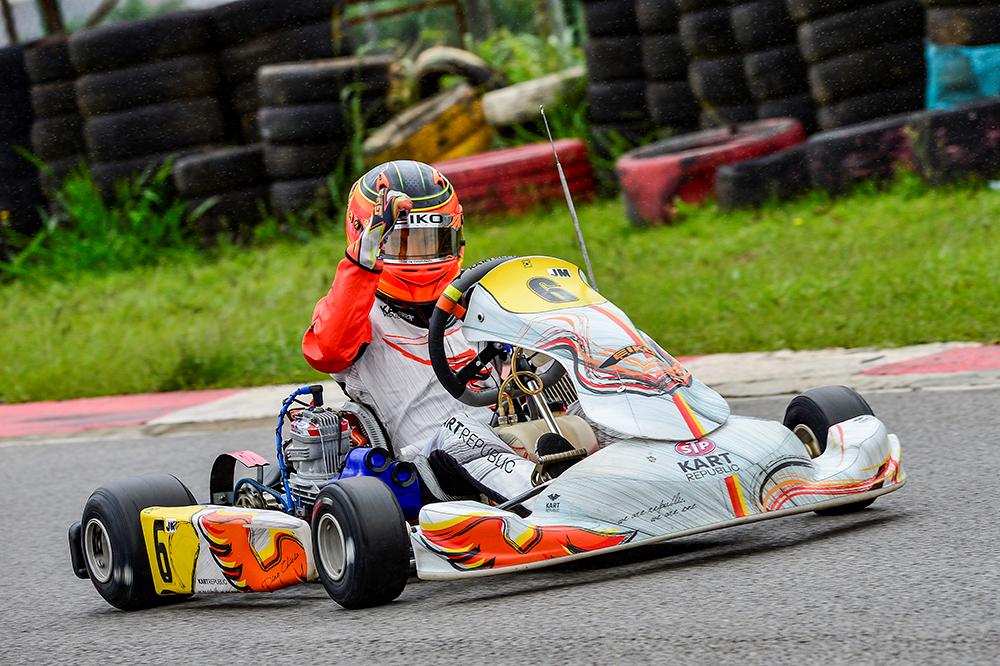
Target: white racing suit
{"type": "Point", "coordinates": [379, 354]}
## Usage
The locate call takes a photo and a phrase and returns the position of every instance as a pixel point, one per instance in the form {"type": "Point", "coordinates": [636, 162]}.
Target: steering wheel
{"type": "Point", "coordinates": [450, 306]}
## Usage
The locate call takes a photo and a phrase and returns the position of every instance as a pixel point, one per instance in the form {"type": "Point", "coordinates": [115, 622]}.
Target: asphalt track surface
{"type": "Point", "coordinates": [911, 580]}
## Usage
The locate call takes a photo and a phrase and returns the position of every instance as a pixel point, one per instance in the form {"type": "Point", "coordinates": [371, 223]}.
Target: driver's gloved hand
{"type": "Point", "coordinates": [390, 207]}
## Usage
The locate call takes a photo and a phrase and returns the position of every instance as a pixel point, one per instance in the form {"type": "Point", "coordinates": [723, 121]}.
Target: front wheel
{"type": "Point", "coordinates": [114, 550]}
{"type": "Point", "coordinates": [360, 542]}
{"type": "Point", "coordinates": [810, 415]}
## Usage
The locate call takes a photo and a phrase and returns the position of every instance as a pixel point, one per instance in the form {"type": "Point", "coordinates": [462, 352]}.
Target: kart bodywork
{"type": "Point", "coordinates": [684, 466]}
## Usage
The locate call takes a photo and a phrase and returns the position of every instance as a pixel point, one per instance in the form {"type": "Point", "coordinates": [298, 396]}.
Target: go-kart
{"type": "Point", "coordinates": [338, 507]}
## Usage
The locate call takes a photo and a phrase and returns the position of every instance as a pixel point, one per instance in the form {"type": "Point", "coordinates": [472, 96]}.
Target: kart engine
{"type": "Point", "coordinates": [316, 451]}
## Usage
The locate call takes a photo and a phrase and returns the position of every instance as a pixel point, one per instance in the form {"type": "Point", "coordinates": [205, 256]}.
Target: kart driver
{"type": "Point", "coordinates": [405, 246]}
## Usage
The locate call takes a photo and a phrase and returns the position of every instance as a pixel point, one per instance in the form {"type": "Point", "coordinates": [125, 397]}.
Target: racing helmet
{"type": "Point", "coordinates": [423, 253]}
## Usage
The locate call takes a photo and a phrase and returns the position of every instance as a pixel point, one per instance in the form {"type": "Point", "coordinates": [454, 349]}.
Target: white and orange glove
{"type": "Point", "coordinates": [390, 207]}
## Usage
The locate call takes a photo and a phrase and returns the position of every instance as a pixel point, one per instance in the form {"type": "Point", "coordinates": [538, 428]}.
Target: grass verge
{"type": "Point", "coordinates": [904, 266]}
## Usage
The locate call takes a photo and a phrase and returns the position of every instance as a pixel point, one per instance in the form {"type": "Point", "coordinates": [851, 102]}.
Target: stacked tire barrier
{"type": "Point", "coordinates": [254, 33]}
{"type": "Point", "coordinates": [306, 123]}
{"type": "Point", "coordinates": [716, 70]}
{"type": "Point", "coordinates": [57, 132]}
{"type": "Point", "coordinates": [963, 51]}
{"type": "Point", "coordinates": [516, 179]}
{"type": "Point", "coordinates": [147, 91]}
{"type": "Point", "coordinates": [775, 72]}
{"type": "Point", "coordinates": [234, 179]}
{"type": "Point", "coordinates": [616, 84]}
{"type": "Point", "coordinates": [665, 63]}
{"type": "Point", "coordinates": [865, 61]}
{"type": "Point", "coordinates": [19, 193]}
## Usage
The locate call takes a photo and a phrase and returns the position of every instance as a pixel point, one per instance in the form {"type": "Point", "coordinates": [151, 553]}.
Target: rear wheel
{"type": "Point", "coordinates": [360, 542]}
{"type": "Point", "coordinates": [810, 416]}
{"type": "Point", "coordinates": [113, 547]}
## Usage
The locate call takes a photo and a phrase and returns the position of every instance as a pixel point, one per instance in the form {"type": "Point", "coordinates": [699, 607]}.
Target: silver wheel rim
{"type": "Point", "coordinates": [332, 546]}
{"type": "Point", "coordinates": [97, 550]}
{"type": "Point", "coordinates": [808, 438]}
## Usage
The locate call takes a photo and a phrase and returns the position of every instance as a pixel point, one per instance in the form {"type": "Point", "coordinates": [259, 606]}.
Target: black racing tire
{"type": "Point", "coordinates": [956, 143]}
{"type": "Point", "coordinates": [807, 10]}
{"type": "Point", "coordinates": [656, 17]}
{"type": "Point", "coordinates": [293, 162]}
{"type": "Point", "coordinates": [870, 150]}
{"type": "Point", "coordinates": [322, 81]}
{"type": "Point", "coordinates": [239, 22]}
{"type": "Point", "coordinates": [113, 545]}
{"type": "Point", "coordinates": [719, 81]}
{"type": "Point", "coordinates": [761, 25]}
{"type": "Point", "coordinates": [779, 176]}
{"type": "Point", "coordinates": [15, 113]}
{"type": "Point", "coordinates": [203, 174]}
{"type": "Point", "coordinates": [610, 17]}
{"type": "Point", "coordinates": [724, 116]}
{"type": "Point", "coordinates": [157, 128]}
{"type": "Point", "coordinates": [860, 29]}
{"type": "Point", "coordinates": [877, 69]}
{"type": "Point", "coordinates": [617, 101]}
{"type": "Point", "coordinates": [664, 58]}
{"type": "Point", "coordinates": [182, 77]}
{"type": "Point", "coordinates": [811, 414]}
{"type": "Point", "coordinates": [12, 70]}
{"type": "Point", "coordinates": [294, 196]}
{"type": "Point", "coordinates": [814, 412]}
{"type": "Point", "coordinates": [321, 122]}
{"type": "Point", "coordinates": [135, 42]}
{"type": "Point", "coordinates": [964, 26]}
{"type": "Point", "coordinates": [361, 543]}
{"type": "Point", "coordinates": [613, 58]}
{"type": "Point", "coordinates": [53, 99]}
{"type": "Point", "coordinates": [307, 42]}
{"type": "Point", "coordinates": [107, 174]}
{"type": "Point", "coordinates": [58, 137]}
{"type": "Point", "coordinates": [801, 106]}
{"type": "Point", "coordinates": [880, 104]}
{"type": "Point", "coordinates": [775, 74]}
{"type": "Point", "coordinates": [691, 6]}
{"type": "Point", "coordinates": [13, 165]}
{"type": "Point", "coordinates": [671, 104]}
{"type": "Point", "coordinates": [47, 60]}
{"type": "Point", "coordinates": [232, 213]}
{"type": "Point", "coordinates": [708, 34]}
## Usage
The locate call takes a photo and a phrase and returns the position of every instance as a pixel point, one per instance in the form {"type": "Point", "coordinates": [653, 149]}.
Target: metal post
{"type": "Point", "coordinates": [8, 21]}
{"type": "Point", "coordinates": [51, 16]}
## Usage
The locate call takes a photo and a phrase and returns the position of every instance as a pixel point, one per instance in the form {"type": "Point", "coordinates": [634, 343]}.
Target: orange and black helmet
{"type": "Point", "coordinates": [423, 252]}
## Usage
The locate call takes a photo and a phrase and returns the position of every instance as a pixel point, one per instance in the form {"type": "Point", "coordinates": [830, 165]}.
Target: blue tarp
{"type": "Point", "coordinates": [959, 74]}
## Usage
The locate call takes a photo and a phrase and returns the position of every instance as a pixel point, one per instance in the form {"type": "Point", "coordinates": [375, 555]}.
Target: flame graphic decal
{"type": "Point", "coordinates": [774, 493]}
{"type": "Point", "coordinates": [282, 562]}
{"type": "Point", "coordinates": [485, 541]}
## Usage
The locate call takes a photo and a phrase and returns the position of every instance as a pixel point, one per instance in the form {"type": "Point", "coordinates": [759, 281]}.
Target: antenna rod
{"type": "Point", "coordinates": [569, 202]}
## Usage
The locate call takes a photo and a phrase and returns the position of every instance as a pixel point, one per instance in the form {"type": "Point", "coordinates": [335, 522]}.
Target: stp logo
{"type": "Point", "coordinates": [698, 447]}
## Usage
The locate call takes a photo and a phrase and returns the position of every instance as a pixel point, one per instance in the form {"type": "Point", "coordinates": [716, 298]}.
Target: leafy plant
{"type": "Point", "coordinates": [143, 225]}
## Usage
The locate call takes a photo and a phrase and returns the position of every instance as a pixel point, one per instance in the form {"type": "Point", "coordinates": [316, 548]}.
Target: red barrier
{"type": "Point", "coordinates": [684, 166]}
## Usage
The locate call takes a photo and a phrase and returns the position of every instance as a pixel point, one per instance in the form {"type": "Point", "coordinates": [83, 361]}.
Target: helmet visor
{"type": "Point", "coordinates": [422, 243]}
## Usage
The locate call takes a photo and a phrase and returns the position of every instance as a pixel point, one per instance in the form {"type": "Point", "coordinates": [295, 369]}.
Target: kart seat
{"type": "Point", "coordinates": [522, 436]}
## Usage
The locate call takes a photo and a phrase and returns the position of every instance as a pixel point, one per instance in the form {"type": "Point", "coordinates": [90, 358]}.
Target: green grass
{"type": "Point", "coordinates": [906, 266]}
